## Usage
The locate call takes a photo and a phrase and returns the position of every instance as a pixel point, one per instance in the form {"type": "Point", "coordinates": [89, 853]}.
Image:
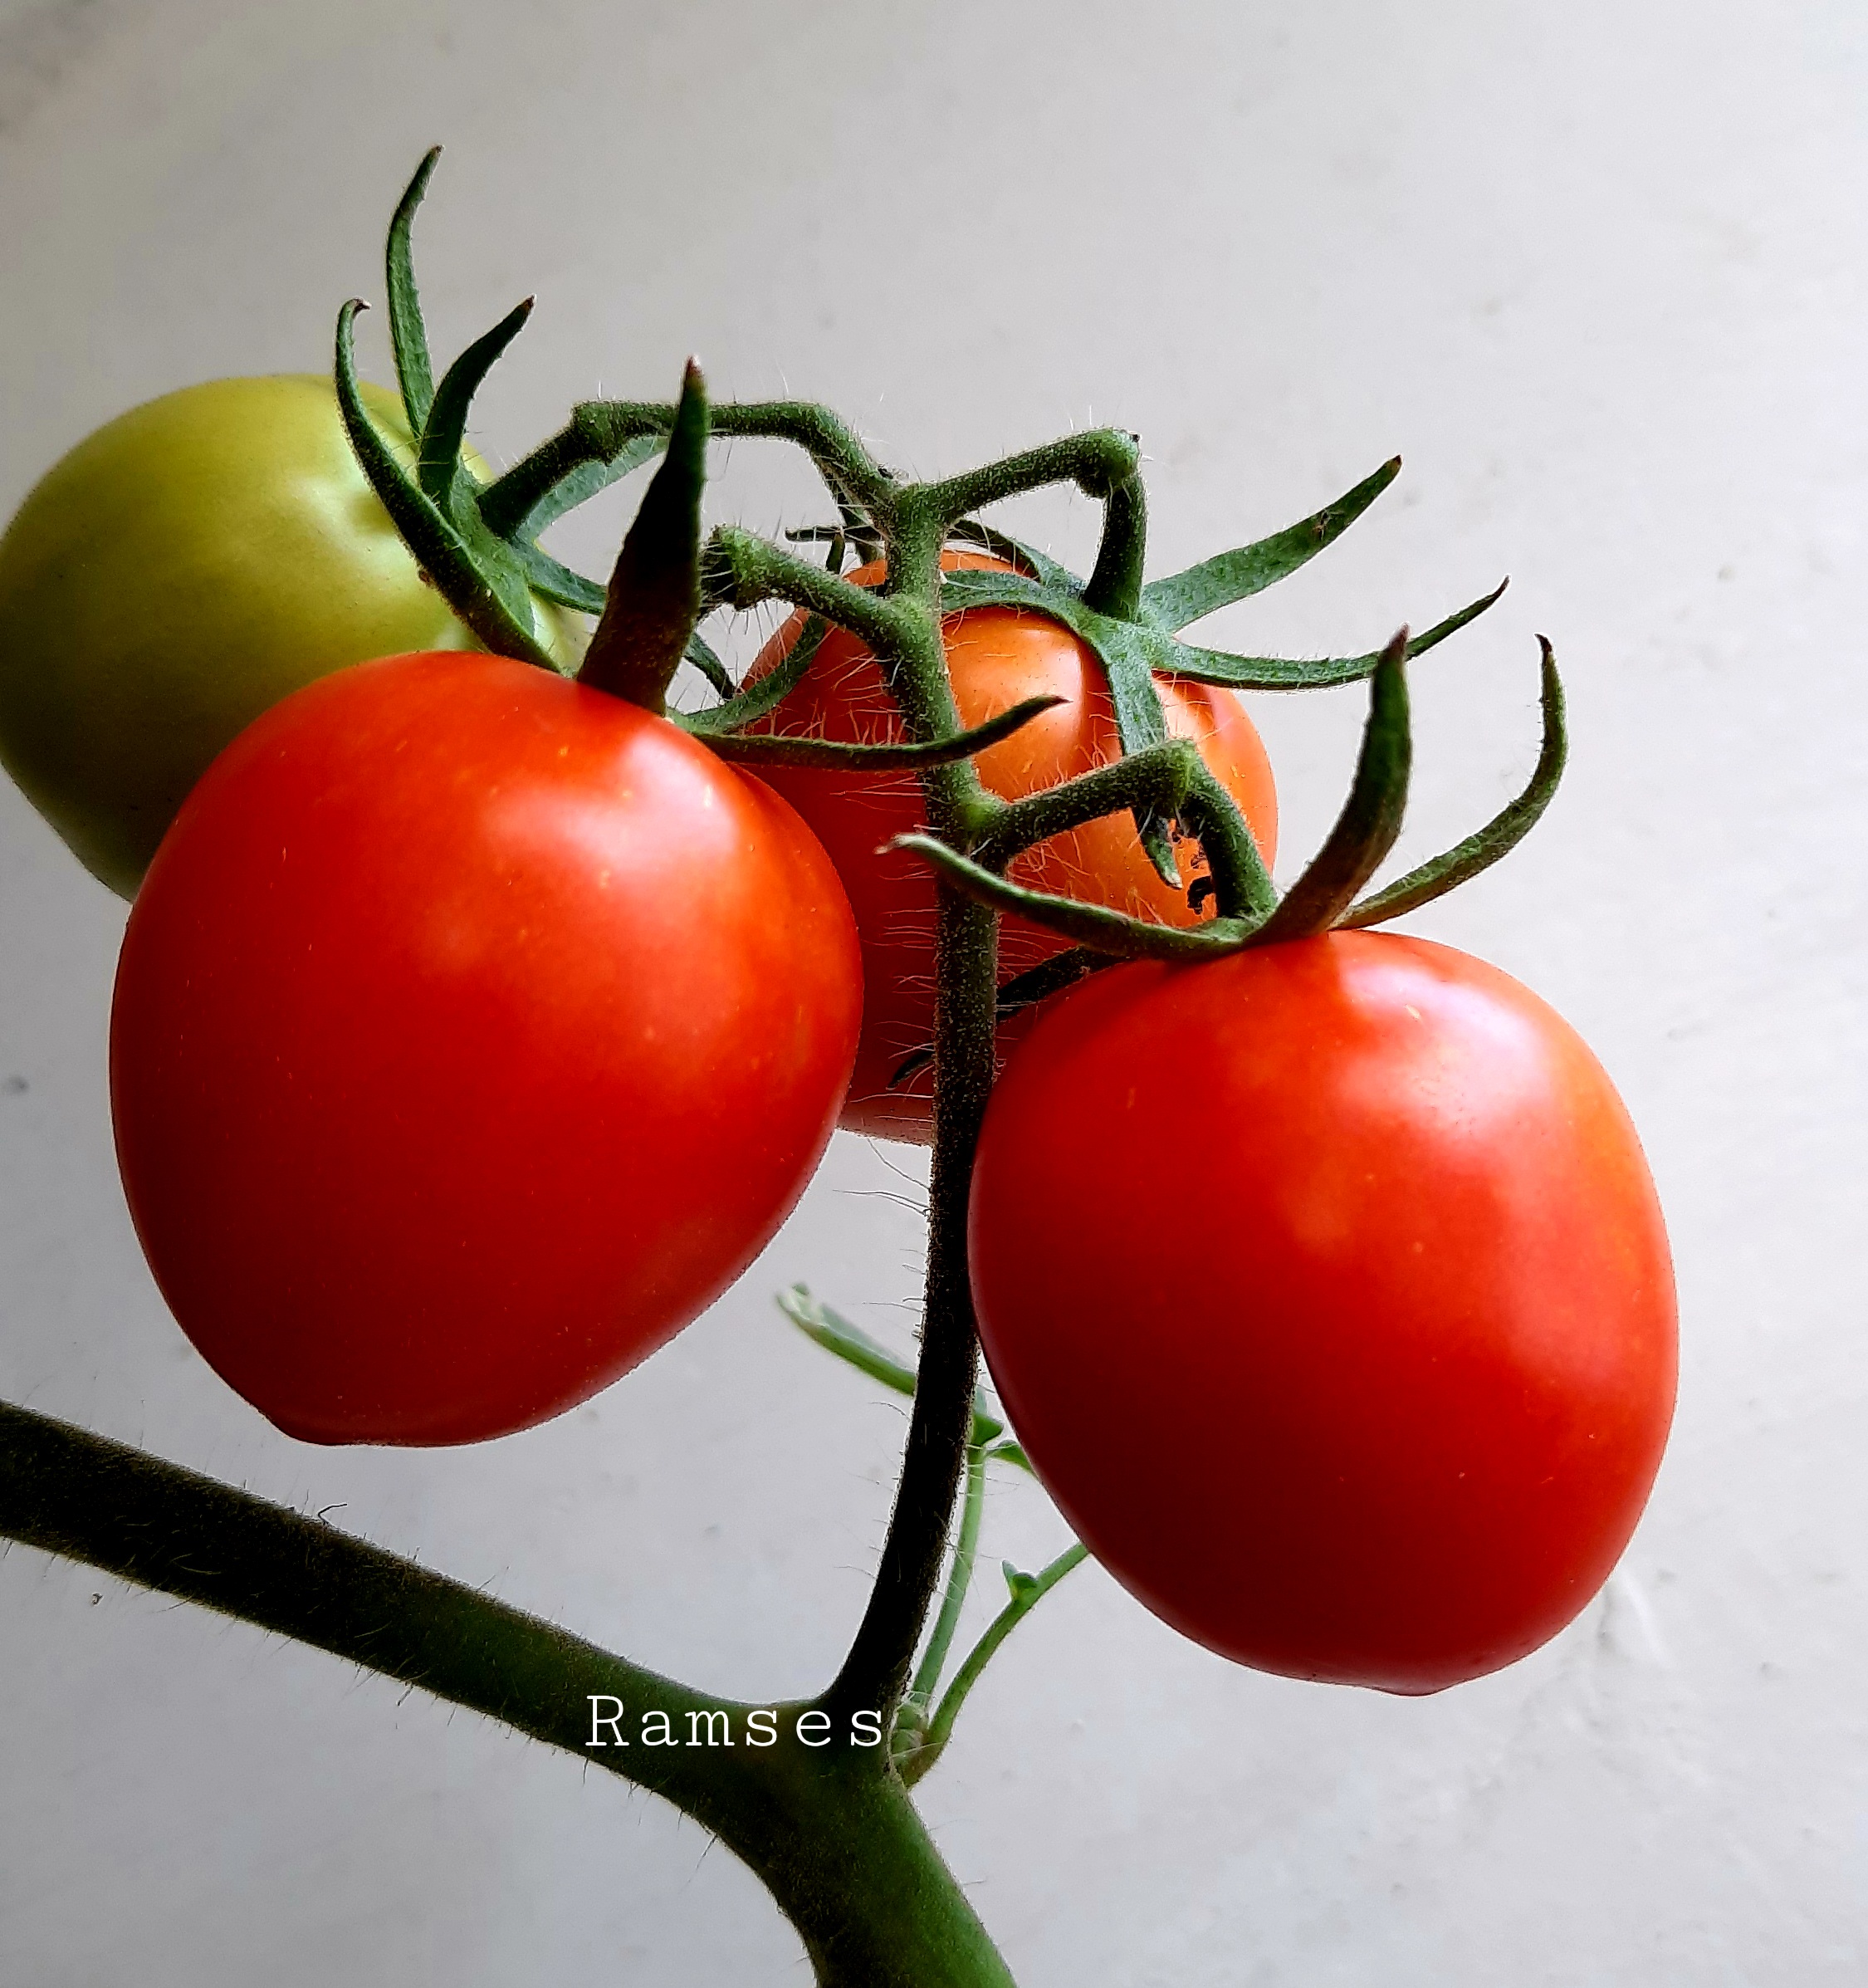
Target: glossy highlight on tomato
{"type": "Point", "coordinates": [1384, 1407]}
{"type": "Point", "coordinates": [473, 1030]}
{"type": "Point", "coordinates": [997, 657]}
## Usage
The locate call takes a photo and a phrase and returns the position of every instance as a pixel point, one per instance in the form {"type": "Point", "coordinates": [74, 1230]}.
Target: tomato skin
{"type": "Point", "coordinates": [186, 566]}
{"type": "Point", "coordinates": [472, 1031]}
{"type": "Point", "coordinates": [1386, 1411]}
{"type": "Point", "coordinates": [997, 657]}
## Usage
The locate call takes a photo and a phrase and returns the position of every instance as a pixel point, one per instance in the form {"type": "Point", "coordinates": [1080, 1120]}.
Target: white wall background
{"type": "Point", "coordinates": [1598, 270]}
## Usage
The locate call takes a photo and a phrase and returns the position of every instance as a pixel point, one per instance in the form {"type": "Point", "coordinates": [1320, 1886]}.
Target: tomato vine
{"type": "Point", "coordinates": [832, 1832]}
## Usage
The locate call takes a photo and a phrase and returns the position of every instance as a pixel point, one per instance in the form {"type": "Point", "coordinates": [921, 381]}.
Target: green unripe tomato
{"type": "Point", "coordinates": [180, 571]}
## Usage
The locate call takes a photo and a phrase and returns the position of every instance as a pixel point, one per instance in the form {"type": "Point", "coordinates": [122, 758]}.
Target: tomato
{"type": "Point", "coordinates": [186, 566]}
{"type": "Point", "coordinates": [996, 657]}
{"type": "Point", "coordinates": [473, 1030]}
{"type": "Point", "coordinates": [1386, 1409]}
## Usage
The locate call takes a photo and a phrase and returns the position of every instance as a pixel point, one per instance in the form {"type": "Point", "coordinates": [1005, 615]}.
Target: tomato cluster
{"type": "Point", "coordinates": [474, 1028]}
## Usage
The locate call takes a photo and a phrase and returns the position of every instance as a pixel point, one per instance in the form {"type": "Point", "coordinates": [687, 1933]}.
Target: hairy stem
{"type": "Point", "coordinates": [71, 1493]}
{"type": "Point", "coordinates": [1114, 587]}
{"type": "Point", "coordinates": [1157, 779]}
{"type": "Point", "coordinates": [876, 1670]}
{"type": "Point", "coordinates": [837, 1843]}
{"type": "Point", "coordinates": [1096, 460]}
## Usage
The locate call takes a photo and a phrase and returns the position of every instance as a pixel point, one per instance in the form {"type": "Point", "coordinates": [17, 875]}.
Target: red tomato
{"type": "Point", "coordinates": [1385, 1412]}
{"type": "Point", "coordinates": [472, 1031]}
{"type": "Point", "coordinates": [997, 657]}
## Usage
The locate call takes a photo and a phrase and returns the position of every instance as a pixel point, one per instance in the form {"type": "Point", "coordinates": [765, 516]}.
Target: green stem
{"type": "Point", "coordinates": [1097, 460]}
{"type": "Point", "coordinates": [876, 1669]}
{"type": "Point", "coordinates": [960, 1576]}
{"type": "Point", "coordinates": [1095, 926]}
{"type": "Point", "coordinates": [1242, 885]}
{"type": "Point", "coordinates": [836, 1842]}
{"type": "Point", "coordinates": [939, 1729]}
{"type": "Point", "coordinates": [741, 570]}
{"type": "Point", "coordinates": [68, 1491]}
{"type": "Point", "coordinates": [1157, 780]}
{"type": "Point", "coordinates": [1114, 588]}
{"type": "Point", "coordinates": [852, 1866]}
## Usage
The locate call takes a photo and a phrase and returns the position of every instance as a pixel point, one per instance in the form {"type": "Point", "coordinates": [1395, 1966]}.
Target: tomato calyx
{"type": "Point", "coordinates": [476, 542]}
{"type": "Point", "coordinates": [1134, 629]}
{"type": "Point", "coordinates": [473, 540]}
{"type": "Point", "coordinates": [1324, 898]}
{"type": "Point", "coordinates": [654, 595]}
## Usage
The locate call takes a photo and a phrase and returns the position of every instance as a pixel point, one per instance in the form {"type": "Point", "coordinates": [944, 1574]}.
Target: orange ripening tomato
{"type": "Point", "coordinates": [997, 658]}
{"type": "Point", "coordinates": [473, 1031]}
{"type": "Point", "coordinates": [1386, 1411]}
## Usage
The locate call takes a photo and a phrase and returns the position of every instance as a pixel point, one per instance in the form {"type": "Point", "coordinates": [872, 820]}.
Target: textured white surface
{"type": "Point", "coordinates": [1599, 272]}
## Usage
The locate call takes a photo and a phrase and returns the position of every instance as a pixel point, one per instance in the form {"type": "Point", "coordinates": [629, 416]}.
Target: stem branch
{"type": "Point", "coordinates": [960, 1577]}
{"type": "Point", "coordinates": [939, 1729]}
{"type": "Point", "coordinates": [1155, 780]}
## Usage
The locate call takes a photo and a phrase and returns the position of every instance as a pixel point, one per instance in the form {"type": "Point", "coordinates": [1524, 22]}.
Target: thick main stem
{"type": "Point", "coordinates": [876, 1670]}
{"type": "Point", "coordinates": [838, 1844]}
{"type": "Point", "coordinates": [851, 1865]}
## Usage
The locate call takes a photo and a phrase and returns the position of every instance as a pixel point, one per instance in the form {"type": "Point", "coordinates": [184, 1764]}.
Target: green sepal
{"type": "Point", "coordinates": [408, 336]}
{"type": "Point", "coordinates": [465, 574]}
{"type": "Point", "coordinates": [1049, 976]}
{"type": "Point", "coordinates": [501, 565]}
{"type": "Point", "coordinates": [780, 749]}
{"type": "Point", "coordinates": [1094, 926]}
{"type": "Point", "coordinates": [654, 595]}
{"type": "Point", "coordinates": [1021, 991]}
{"type": "Point", "coordinates": [1181, 598]}
{"type": "Point", "coordinates": [1498, 837]}
{"type": "Point", "coordinates": [1014, 552]}
{"type": "Point", "coordinates": [748, 705]}
{"type": "Point", "coordinates": [1277, 673]}
{"type": "Point", "coordinates": [555, 581]}
{"type": "Point", "coordinates": [563, 584]}
{"type": "Point", "coordinates": [839, 538]}
{"type": "Point", "coordinates": [557, 478]}
{"type": "Point", "coordinates": [853, 1346]}
{"type": "Point", "coordinates": [700, 653]}
{"type": "Point", "coordinates": [1165, 655]}
{"type": "Point", "coordinates": [1008, 1451]}
{"type": "Point", "coordinates": [437, 462]}
{"type": "Point", "coordinates": [1370, 820]}
{"type": "Point", "coordinates": [1236, 870]}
